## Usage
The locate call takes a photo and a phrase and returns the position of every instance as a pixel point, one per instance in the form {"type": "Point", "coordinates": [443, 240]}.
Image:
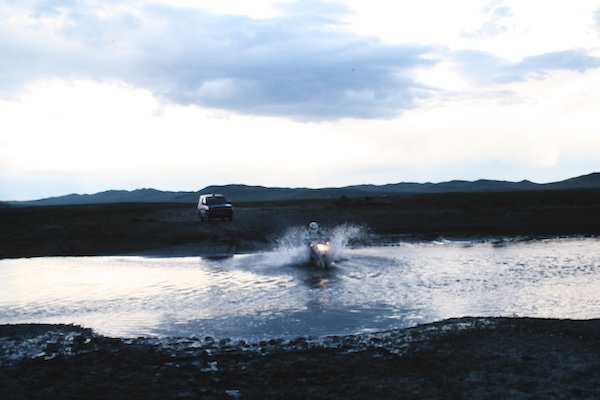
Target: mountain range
{"type": "Point", "coordinates": [245, 193]}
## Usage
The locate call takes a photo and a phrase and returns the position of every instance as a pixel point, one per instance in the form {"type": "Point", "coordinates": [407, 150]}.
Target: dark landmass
{"type": "Point", "coordinates": [173, 229]}
{"type": "Point", "coordinates": [467, 358]}
{"type": "Point", "coordinates": [246, 193]}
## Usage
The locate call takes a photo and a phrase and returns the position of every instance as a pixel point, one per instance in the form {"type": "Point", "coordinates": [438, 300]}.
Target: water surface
{"type": "Point", "coordinates": [274, 294]}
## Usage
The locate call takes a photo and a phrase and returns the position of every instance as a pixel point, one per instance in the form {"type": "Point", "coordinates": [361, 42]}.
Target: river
{"type": "Point", "coordinates": [274, 294]}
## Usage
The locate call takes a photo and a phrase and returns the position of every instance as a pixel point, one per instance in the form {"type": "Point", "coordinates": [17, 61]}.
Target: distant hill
{"type": "Point", "coordinates": [110, 196]}
{"type": "Point", "coordinates": [245, 193]}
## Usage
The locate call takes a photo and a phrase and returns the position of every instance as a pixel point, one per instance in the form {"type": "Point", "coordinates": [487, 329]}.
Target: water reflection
{"type": "Point", "coordinates": [275, 294]}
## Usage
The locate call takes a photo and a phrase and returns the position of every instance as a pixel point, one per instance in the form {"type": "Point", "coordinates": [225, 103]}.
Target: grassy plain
{"type": "Point", "coordinates": [174, 229]}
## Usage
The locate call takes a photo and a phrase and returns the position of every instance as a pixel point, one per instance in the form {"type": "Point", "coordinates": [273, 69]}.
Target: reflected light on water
{"type": "Point", "coordinates": [275, 294]}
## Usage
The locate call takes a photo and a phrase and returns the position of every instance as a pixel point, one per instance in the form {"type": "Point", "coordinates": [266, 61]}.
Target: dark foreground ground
{"type": "Point", "coordinates": [473, 358]}
{"type": "Point", "coordinates": [468, 358]}
{"type": "Point", "coordinates": [173, 229]}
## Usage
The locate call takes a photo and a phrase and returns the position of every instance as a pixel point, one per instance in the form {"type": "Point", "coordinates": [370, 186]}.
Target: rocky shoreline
{"type": "Point", "coordinates": [465, 358]}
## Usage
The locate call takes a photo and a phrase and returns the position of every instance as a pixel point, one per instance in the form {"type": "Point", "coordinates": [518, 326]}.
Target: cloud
{"type": "Point", "coordinates": [302, 64]}
{"type": "Point", "coordinates": [486, 68]}
{"type": "Point", "coordinates": [567, 60]}
{"type": "Point", "coordinates": [495, 21]}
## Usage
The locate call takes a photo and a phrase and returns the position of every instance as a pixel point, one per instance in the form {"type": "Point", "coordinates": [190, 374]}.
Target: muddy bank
{"type": "Point", "coordinates": [467, 358]}
{"type": "Point", "coordinates": [167, 229]}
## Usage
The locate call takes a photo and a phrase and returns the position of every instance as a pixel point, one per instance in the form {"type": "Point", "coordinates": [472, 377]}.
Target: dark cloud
{"type": "Point", "coordinates": [302, 65]}
{"type": "Point", "coordinates": [294, 66]}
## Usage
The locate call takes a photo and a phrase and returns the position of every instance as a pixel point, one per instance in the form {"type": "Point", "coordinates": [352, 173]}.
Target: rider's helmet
{"type": "Point", "coordinates": [313, 226]}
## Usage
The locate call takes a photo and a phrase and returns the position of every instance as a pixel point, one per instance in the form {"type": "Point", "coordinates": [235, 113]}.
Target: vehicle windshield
{"type": "Point", "coordinates": [215, 200]}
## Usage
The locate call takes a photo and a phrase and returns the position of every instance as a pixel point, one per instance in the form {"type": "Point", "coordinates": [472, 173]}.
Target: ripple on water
{"type": "Point", "coordinates": [275, 294]}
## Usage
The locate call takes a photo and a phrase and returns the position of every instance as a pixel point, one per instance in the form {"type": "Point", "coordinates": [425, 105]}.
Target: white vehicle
{"type": "Point", "coordinates": [211, 206]}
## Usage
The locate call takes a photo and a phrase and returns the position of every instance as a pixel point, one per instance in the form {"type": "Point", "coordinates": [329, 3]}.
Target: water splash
{"type": "Point", "coordinates": [341, 236]}
{"type": "Point", "coordinates": [291, 247]}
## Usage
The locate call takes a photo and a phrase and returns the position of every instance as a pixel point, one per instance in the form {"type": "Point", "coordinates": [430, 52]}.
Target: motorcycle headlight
{"type": "Point", "coordinates": [322, 247]}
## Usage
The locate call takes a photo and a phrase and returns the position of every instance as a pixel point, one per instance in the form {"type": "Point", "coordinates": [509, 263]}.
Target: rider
{"type": "Point", "coordinates": [314, 233]}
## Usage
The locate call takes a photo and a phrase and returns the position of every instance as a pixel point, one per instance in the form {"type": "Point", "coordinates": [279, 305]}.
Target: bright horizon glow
{"type": "Point", "coordinates": [179, 95]}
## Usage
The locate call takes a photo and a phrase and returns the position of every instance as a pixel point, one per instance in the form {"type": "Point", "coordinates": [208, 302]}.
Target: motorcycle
{"type": "Point", "coordinates": [320, 253]}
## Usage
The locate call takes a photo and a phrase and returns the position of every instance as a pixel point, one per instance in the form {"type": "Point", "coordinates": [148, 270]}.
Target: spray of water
{"type": "Point", "coordinates": [341, 236]}
{"type": "Point", "coordinates": [290, 247]}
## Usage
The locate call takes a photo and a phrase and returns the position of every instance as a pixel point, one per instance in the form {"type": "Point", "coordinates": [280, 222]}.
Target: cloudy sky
{"type": "Point", "coordinates": [181, 94]}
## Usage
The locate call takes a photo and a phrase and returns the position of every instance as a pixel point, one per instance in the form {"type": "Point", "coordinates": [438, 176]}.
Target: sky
{"type": "Point", "coordinates": [178, 95]}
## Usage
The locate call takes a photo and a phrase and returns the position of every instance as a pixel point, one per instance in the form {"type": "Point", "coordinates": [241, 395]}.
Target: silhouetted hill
{"type": "Point", "coordinates": [110, 196]}
{"type": "Point", "coordinates": [481, 185]}
{"type": "Point", "coordinates": [245, 193]}
{"type": "Point", "coordinates": [580, 182]}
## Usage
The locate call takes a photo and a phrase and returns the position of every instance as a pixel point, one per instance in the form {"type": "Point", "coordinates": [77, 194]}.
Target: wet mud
{"type": "Point", "coordinates": [467, 358]}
